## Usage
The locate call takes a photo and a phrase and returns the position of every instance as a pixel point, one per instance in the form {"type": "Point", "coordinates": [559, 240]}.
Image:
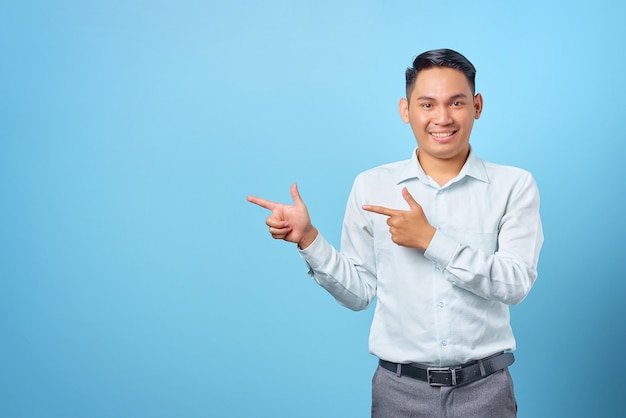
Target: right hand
{"type": "Point", "coordinates": [289, 222]}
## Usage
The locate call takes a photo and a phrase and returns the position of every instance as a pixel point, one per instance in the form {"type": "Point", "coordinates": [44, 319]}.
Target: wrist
{"type": "Point", "coordinates": [428, 237]}
{"type": "Point", "coordinates": [308, 238]}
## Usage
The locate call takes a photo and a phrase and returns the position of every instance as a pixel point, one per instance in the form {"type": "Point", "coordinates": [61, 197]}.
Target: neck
{"type": "Point", "coordinates": [442, 170]}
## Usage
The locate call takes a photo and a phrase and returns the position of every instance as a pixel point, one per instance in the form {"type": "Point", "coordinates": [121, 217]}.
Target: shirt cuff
{"type": "Point", "coordinates": [317, 253]}
{"type": "Point", "coordinates": [441, 250]}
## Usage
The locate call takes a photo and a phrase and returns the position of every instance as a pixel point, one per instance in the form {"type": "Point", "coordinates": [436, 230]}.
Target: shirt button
{"type": "Point", "coordinates": [440, 304]}
{"type": "Point", "coordinates": [444, 343]}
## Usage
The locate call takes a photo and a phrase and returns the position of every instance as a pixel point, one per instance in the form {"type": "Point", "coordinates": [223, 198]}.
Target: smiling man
{"type": "Point", "coordinates": [445, 242]}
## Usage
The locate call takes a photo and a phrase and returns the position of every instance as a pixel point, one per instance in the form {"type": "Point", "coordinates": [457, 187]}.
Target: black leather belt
{"type": "Point", "coordinates": [451, 376]}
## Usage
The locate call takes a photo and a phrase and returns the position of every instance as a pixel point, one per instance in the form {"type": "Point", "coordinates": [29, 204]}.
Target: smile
{"type": "Point", "coordinates": [442, 134]}
{"type": "Point", "coordinates": [442, 137]}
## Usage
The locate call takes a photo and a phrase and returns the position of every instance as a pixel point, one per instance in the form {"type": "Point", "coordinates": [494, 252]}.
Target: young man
{"type": "Point", "coordinates": [445, 241]}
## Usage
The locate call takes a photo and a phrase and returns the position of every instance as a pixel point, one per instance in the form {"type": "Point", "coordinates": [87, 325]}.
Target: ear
{"type": "Point", "coordinates": [403, 107]}
{"type": "Point", "coordinates": [478, 105]}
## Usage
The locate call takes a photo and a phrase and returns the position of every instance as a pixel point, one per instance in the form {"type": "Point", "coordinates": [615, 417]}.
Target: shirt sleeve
{"type": "Point", "coordinates": [507, 275]}
{"type": "Point", "coordinates": [349, 276]}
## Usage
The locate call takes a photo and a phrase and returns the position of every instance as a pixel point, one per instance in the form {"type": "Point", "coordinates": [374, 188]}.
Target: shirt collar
{"type": "Point", "coordinates": [473, 167]}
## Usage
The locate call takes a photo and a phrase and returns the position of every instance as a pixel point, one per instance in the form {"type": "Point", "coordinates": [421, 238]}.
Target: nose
{"type": "Point", "coordinates": [443, 116]}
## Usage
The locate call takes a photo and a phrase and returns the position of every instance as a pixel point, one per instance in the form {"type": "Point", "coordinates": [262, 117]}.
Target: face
{"type": "Point", "coordinates": [441, 110]}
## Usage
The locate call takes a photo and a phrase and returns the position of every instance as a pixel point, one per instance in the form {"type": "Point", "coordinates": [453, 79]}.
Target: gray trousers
{"type": "Point", "coordinates": [404, 397]}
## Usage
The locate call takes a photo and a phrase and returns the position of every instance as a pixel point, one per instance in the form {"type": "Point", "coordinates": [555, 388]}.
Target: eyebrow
{"type": "Point", "coordinates": [456, 96]}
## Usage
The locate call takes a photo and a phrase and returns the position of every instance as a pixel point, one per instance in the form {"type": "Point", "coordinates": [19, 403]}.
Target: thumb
{"type": "Point", "coordinates": [295, 195]}
{"type": "Point", "coordinates": [410, 200]}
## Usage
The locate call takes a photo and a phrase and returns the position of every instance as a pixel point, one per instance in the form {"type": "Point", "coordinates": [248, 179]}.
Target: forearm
{"type": "Point", "coordinates": [345, 279]}
{"type": "Point", "coordinates": [503, 276]}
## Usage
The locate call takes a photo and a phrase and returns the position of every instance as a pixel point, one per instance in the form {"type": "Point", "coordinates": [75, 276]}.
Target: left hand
{"type": "Point", "coordinates": [409, 228]}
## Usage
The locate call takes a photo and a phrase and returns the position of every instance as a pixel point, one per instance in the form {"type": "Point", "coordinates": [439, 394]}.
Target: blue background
{"type": "Point", "coordinates": [135, 279]}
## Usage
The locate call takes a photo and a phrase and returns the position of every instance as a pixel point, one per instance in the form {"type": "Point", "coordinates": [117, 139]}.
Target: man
{"type": "Point", "coordinates": [445, 241]}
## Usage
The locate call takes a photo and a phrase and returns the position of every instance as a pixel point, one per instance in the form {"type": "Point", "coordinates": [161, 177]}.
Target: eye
{"type": "Point", "coordinates": [427, 105]}
{"type": "Point", "coordinates": [457, 104]}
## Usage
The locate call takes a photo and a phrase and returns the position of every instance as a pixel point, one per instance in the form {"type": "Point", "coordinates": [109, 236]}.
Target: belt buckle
{"type": "Point", "coordinates": [451, 370]}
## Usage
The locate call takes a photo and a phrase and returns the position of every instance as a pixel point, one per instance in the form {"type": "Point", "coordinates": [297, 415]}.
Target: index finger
{"type": "Point", "coordinates": [267, 204]}
{"type": "Point", "coordinates": [380, 210]}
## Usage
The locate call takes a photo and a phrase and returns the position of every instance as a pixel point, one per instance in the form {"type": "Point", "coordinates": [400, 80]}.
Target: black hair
{"type": "Point", "coordinates": [440, 58]}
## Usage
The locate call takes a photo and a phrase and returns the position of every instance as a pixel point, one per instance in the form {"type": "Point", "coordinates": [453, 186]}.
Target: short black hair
{"type": "Point", "coordinates": [440, 58]}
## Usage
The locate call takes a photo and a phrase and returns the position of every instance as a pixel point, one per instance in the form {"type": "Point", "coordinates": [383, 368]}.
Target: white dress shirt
{"type": "Point", "coordinates": [449, 304]}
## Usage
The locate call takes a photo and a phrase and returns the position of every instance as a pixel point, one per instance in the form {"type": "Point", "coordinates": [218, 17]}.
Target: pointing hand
{"type": "Point", "coordinates": [408, 228]}
{"type": "Point", "coordinates": [289, 222]}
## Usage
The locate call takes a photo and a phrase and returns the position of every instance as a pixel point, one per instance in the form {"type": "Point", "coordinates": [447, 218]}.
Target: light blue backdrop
{"type": "Point", "coordinates": [136, 281]}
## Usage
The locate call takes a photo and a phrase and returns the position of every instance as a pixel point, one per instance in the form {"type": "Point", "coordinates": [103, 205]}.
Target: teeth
{"type": "Point", "coordinates": [441, 134]}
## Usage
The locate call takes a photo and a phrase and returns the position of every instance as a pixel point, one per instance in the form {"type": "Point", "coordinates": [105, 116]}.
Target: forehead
{"type": "Point", "coordinates": [441, 82]}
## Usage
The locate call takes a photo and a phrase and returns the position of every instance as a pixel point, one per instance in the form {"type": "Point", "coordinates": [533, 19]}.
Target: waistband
{"type": "Point", "coordinates": [454, 375]}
